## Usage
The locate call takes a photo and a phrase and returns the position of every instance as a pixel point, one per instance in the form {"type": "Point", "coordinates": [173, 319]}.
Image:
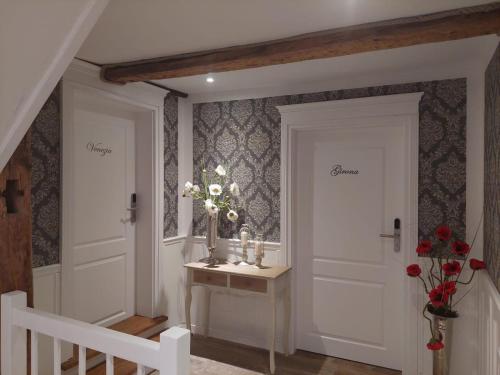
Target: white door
{"type": "Point", "coordinates": [98, 235]}
{"type": "Point", "coordinates": [350, 185]}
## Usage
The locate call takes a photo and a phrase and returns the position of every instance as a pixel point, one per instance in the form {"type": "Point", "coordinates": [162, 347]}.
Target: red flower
{"type": "Point", "coordinates": [448, 287]}
{"type": "Point", "coordinates": [438, 297]}
{"type": "Point", "coordinates": [477, 264]}
{"type": "Point", "coordinates": [460, 248]}
{"type": "Point", "coordinates": [424, 247]}
{"type": "Point", "coordinates": [413, 270]}
{"type": "Point", "coordinates": [435, 345]}
{"type": "Point", "coordinates": [452, 268]}
{"type": "Point", "coordinates": [443, 232]}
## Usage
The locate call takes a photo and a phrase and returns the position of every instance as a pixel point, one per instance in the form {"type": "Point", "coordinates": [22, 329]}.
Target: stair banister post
{"type": "Point", "coordinates": [175, 347]}
{"type": "Point", "coordinates": [13, 338]}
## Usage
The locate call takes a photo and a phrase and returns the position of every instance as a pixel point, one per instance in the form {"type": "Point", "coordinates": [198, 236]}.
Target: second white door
{"type": "Point", "coordinates": [350, 189]}
{"type": "Point", "coordinates": [98, 182]}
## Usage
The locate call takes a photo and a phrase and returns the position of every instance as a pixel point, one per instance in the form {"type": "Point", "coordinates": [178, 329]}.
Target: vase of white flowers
{"type": "Point", "coordinates": [218, 197]}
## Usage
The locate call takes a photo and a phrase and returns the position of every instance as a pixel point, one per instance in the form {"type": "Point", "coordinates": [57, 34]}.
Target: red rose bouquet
{"type": "Point", "coordinates": [443, 276]}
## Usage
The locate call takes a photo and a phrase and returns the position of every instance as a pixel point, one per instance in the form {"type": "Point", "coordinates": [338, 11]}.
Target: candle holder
{"type": "Point", "coordinates": [259, 250]}
{"type": "Point", "coordinates": [244, 236]}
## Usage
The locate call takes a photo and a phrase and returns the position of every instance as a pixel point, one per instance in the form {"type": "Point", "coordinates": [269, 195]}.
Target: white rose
{"type": "Point", "coordinates": [234, 189]}
{"type": "Point", "coordinates": [232, 216]}
{"type": "Point", "coordinates": [211, 208]}
{"type": "Point", "coordinates": [215, 189]}
{"type": "Point", "coordinates": [220, 170]}
{"type": "Point", "coordinates": [188, 187]}
{"type": "Point", "coordinates": [195, 189]}
{"type": "Point", "coordinates": [208, 204]}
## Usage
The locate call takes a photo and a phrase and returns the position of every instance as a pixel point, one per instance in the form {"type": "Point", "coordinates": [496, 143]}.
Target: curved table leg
{"type": "Point", "coordinates": [207, 312]}
{"type": "Point", "coordinates": [288, 313]}
{"type": "Point", "coordinates": [272, 347]}
{"type": "Point", "coordinates": [189, 297]}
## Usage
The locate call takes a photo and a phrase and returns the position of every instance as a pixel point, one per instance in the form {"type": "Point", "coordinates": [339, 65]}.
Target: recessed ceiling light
{"type": "Point", "coordinates": [210, 79]}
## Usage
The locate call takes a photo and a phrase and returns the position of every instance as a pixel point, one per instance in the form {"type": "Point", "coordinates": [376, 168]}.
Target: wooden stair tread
{"type": "Point", "coordinates": [135, 325]}
{"type": "Point", "coordinates": [122, 367]}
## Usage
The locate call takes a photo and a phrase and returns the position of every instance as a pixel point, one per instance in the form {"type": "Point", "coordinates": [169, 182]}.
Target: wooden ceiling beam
{"type": "Point", "coordinates": [402, 32]}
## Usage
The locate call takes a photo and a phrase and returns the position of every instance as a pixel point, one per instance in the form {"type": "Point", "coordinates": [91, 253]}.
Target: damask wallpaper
{"type": "Point", "coordinates": [46, 181]}
{"type": "Point", "coordinates": [492, 169]}
{"type": "Point", "coordinates": [170, 166]}
{"type": "Point", "coordinates": [244, 136]}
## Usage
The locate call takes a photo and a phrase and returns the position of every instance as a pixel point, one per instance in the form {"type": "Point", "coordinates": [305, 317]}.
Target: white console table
{"type": "Point", "coordinates": [271, 282]}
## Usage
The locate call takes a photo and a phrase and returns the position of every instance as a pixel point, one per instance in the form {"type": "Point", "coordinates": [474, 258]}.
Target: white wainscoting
{"type": "Point", "coordinates": [489, 326]}
{"type": "Point", "coordinates": [234, 318]}
{"type": "Point", "coordinates": [47, 297]}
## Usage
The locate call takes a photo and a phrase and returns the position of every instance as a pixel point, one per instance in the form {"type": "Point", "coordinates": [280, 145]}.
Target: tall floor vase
{"type": "Point", "coordinates": [442, 328]}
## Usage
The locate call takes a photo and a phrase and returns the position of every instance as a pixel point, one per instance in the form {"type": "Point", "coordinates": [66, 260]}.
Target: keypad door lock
{"type": "Point", "coordinates": [396, 236]}
{"type": "Point", "coordinates": [133, 208]}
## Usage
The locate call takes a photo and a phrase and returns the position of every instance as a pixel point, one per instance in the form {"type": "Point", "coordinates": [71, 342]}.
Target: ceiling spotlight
{"type": "Point", "coordinates": [210, 79]}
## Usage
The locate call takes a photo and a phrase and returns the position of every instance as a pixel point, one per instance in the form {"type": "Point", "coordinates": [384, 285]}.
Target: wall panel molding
{"type": "Point", "coordinates": [489, 326]}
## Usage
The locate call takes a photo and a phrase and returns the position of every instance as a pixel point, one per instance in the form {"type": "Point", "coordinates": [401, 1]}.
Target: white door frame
{"type": "Point", "coordinates": [312, 116]}
{"type": "Point", "coordinates": [149, 100]}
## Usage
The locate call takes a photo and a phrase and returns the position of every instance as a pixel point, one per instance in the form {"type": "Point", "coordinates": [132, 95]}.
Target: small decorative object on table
{"type": "Point", "coordinates": [440, 284]}
{"type": "Point", "coordinates": [259, 250]}
{"type": "Point", "coordinates": [218, 196]}
{"type": "Point", "coordinates": [244, 236]}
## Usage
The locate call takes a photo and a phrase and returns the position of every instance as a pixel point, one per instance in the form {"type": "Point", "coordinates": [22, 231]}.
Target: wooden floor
{"type": "Point", "coordinates": [301, 363]}
{"type": "Point", "coordinates": [248, 358]}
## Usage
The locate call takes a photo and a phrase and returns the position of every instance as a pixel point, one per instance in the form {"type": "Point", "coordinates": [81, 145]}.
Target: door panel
{"type": "Point", "coordinates": [349, 188]}
{"type": "Point", "coordinates": [107, 299]}
{"type": "Point", "coordinates": [98, 237]}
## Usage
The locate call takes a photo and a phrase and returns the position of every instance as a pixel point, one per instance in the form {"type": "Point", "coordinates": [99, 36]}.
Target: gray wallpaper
{"type": "Point", "coordinates": [46, 181]}
{"type": "Point", "coordinates": [244, 136]}
{"type": "Point", "coordinates": [170, 166]}
{"type": "Point", "coordinates": [492, 169]}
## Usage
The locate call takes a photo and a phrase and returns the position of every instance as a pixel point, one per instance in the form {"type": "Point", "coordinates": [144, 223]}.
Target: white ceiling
{"type": "Point", "coordinates": [433, 61]}
{"type": "Point", "coordinates": [137, 29]}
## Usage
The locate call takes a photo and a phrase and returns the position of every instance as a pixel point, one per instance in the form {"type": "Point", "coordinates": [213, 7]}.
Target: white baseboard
{"type": "Point", "coordinates": [489, 326]}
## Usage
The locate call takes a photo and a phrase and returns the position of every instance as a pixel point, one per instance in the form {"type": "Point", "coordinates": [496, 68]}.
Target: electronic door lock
{"type": "Point", "coordinates": [133, 208]}
{"type": "Point", "coordinates": [396, 236]}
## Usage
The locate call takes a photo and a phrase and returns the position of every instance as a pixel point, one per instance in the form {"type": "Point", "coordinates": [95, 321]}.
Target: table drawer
{"type": "Point", "coordinates": [209, 278]}
{"type": "Point", "coordinates": [249, 283]}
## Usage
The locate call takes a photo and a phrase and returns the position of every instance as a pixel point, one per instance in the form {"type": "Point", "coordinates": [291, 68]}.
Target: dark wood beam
{"type": "Point", "coordinates": [402, 32]}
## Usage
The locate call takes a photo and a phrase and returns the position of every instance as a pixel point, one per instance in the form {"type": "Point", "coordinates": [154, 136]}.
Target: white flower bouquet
{"type": "Point", "coordinates": [217, 194]}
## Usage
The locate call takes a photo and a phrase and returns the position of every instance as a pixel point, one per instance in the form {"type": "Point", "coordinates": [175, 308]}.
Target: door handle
{"type": "Point", "coordinates": [396, 236]}
{"type": "Point", "coordinates": [133, 208]}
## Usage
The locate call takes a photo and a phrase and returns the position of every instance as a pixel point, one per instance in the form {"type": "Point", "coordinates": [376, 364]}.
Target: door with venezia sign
{"type": "Point", "coordinates": [98, 253]}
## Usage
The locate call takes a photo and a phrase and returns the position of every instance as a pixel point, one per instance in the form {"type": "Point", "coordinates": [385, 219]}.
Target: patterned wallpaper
{"type": "Point", "coordinates": [244, 135]}
{"type": "Point", "coordinates": [170, 166]}
{"type": "Point", "coordinates": [492, 169]}
{"type": "Point", "coordinates": [46, 181]}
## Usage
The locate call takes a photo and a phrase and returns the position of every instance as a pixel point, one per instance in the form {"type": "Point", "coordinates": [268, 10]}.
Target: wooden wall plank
{"type": "Point", "coordinates": [15, 228]}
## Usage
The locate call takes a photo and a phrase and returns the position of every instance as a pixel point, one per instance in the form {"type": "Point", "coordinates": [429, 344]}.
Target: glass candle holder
{"type": "Point", "coordinates": [244, 236]}
{"type": "Point", "coordinates": [259, 250]}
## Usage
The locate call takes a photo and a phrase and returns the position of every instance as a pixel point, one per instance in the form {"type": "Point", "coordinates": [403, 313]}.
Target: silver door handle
{"type": "Point", "coordinates": [396, 236]}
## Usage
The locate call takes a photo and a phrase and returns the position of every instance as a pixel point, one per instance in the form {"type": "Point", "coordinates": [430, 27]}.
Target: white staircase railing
{"type": "Point", "coordinates": [171, 356]}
